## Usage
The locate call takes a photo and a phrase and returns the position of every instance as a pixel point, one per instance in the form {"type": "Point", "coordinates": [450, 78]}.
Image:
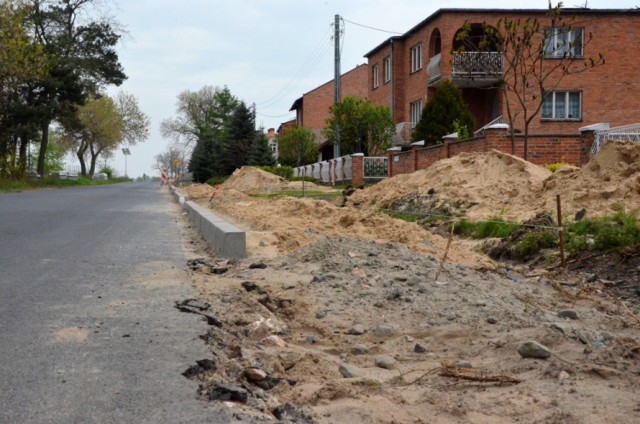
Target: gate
{"type": "Point", "coordinates": [375, 169]}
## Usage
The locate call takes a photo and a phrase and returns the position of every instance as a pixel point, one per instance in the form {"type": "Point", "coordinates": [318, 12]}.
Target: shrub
{"type": "Point", "coordinates": [534, 241]}
{"type": "Point", "coordinates": [553, 167]}
{"type": "Point", "coordinates": [495, 227]}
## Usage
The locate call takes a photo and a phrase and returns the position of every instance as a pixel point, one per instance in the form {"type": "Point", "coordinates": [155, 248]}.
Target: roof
{"type": "Point", "coordinates": [440, 12]}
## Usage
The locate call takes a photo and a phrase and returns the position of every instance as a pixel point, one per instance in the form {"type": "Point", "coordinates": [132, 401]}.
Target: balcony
{"type": "Point", "coordinates": [476, 69]}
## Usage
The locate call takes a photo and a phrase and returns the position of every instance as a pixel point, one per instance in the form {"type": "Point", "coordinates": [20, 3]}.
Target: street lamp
{"type": "Point", "coordinates": [126, 152]}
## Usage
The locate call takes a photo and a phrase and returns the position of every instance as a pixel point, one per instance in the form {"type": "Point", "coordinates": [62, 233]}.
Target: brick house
{"type": "Point", "coordinates": [312, 109]}
{"type": "Point", "coordinates": [405, 70]}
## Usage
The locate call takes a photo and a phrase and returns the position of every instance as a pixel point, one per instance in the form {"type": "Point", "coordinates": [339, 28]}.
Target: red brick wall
{"type": "Point", "coordinates": [543, 149]}
{"type": "Point", "coordinates": [316, 103]}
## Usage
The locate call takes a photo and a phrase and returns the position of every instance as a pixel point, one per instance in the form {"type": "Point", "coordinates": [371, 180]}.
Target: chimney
{"type": "Point", "coordinates": [271, 133]}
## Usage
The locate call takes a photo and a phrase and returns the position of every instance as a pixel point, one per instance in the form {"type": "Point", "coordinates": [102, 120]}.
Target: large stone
{"type": "Point", "coordinates": [568, 313]}
{"type": "Point", "coordinates": [531, 349]}
{"type": "Point", "coordinates": [386, 362]}
{"type": "Point", "coordinates": [384, 331]}
{"type": "Point", "coordinates": [349, 371]}
{"type": "Point", "coordinates": [360, 349]}
{"type": "Point", "coordinates": [255, 374]}
{"type": "Point", "coordinates": [357, 330]}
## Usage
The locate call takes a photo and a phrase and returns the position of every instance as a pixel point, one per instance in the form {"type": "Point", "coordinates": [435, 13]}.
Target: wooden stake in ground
{"type": "Point", "coordinates": [560, 232]}
{"type": "Point", "coordinates": [446, 252]}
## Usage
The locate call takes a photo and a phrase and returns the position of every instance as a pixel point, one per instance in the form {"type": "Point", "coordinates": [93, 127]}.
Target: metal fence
{"type": "Point", "coordinates": [624, 133]}
{"type": "Point", "coordinates": [375, 169]}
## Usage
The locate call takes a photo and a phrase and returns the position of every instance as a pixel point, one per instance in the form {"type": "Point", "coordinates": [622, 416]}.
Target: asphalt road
{"type": "Point", "coordinates": [88, 331]}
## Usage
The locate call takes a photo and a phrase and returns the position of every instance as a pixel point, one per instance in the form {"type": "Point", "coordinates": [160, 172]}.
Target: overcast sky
{"type": "Point", "coordinates": [267, 52]}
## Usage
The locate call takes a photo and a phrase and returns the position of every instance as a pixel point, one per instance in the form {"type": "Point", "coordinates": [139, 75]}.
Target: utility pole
{"type": "Point", "coordinates": [336, 39]}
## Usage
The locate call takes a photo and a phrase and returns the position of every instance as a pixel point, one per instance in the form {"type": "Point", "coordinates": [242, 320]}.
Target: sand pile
{"type": "Point", "coordinates": [252, 180]}
{"type": "Point", "coordinates": [289, 223]}
{"type": "Point", "coordinates": [609, 182]}
{"type": "Point", "coordinates": [478, 185]}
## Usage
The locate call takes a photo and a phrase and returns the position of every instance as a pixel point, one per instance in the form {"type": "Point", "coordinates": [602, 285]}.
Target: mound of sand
{"type": "Point", "coordinates": [478, 185]}
{"type": "Point", "coordinates": [288, 223]}
{"type": "Point", "coordinates": [252, 180]}
{"type": "Point", "coordinates": [609, 182]}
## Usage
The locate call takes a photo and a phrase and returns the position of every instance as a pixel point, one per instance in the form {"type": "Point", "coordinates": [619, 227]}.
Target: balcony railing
{"type": "Point", "coordinates": [477, 65]}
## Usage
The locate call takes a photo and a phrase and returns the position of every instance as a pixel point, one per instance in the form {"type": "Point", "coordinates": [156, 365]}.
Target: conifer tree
{"type": "Point", "coordinates": [241, 137]}
{"type": "Point", "coordinates": [444, 113]}
{"type": "Point", "coordinates": [261, 154]}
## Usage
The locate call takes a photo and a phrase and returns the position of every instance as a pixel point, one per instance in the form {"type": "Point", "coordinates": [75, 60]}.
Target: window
{"type": "Point", "coordinates": [416, 58]}
{"type": "Point", "coordinates": [560, 105]}
{"type": "Point", "coordinates": [387, 69]}
{"type": "Point", "coordinates": [375, 76]}
{"type": "Point", "coordinates": [416, 112]}
{"type": "Point", "coordinates": [563, 42]}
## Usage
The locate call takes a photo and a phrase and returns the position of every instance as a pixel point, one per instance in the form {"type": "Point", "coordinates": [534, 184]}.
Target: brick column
{"type": "Point", "coordinates": [588, 137]}
{"type": "Point", "coordinates": [357, 169]}
{"type": "Point", "coordinates": [391, 155]}
{"type": "Point", "coordinates": [496, 135]}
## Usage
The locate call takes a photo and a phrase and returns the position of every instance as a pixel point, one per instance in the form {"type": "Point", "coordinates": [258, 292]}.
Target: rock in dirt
{"type": "Point", "coordinates": [227, 392]}
{"type": "Point", "coordinates": [360, 349]}
{"type": "Point", "coordinates": [259, 265]}
{"type": "Point", "coordinates": [357, 330]}
{"type": "Point", "coordinates": [290, 413]}
{"type": "Point", "coordinates": [462, 364]}
{"type": "Point", "coordinates": [531, 349]}
{"type": "Point", "coordinates": [255, 374]}
{"type": "Point", "coordinates": [568, 313]}
{"type": "Point", "coordinates": [386, 362]}
{"type": "Point", "coordinates": [418, 348]}
{"type": "Point", "coordinates": [349, 371]}
{"type": "Point", "coordinates": [384, 331]}
{"type": "Point", "coordinates": [289, 285]}
{"type": "Point", "coordinates": [492, 320]}
{"type": "Point", "coordinates": [312, 339]}
{"type": "Point", "coordinates": [201, 367]}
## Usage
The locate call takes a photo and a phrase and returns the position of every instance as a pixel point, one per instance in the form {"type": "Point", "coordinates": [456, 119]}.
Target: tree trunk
{"type": "Point", "coordinates": [43, 147]}
{"type": "Point", "coordinates": [22, 157]}
{"type": "Point", "coordinates": [83, 165]}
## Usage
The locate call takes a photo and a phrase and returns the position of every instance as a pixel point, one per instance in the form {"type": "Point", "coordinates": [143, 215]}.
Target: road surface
{"type": "Point", "coordinates": [88, 331]}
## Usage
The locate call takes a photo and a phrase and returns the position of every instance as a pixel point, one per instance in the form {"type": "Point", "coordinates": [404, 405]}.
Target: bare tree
{"type": "Point", "coordinates": [537, 56]}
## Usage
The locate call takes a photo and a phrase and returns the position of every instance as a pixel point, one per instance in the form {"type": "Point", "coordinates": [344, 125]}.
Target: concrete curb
{"type": "Point", "coordinates": [228, 240]}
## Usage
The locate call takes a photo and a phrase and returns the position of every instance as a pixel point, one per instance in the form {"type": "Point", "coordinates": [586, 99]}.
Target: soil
{"type": "Point", "coordinates": [345, 315]}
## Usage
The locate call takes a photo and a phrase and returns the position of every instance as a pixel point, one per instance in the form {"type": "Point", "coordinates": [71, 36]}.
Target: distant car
{"type": "Point", "coordinates": [33, 174]}
{"type": "Point", "coordinates": [100, 176]}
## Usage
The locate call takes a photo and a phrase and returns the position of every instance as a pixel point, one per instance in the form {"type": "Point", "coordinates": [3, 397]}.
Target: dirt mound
{"type": "Point", "coordinates": [478, 185]}
{"type": "Point", "coordinates": [609, 182]}
{"type": "Point", "coordinates": [296, 222]}
{"type": "Point", "coordinates": [254, 181]}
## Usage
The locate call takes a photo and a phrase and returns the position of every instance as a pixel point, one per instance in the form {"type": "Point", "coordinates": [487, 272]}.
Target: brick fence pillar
{"type": "Point", "coordinates": [588, 137]}
{"type": "Point", "coordinates": [497, 137]}
{"type": "Point", "coordinates": [357, 169]}
{"type": "Point", "coordinates": [391, 155]}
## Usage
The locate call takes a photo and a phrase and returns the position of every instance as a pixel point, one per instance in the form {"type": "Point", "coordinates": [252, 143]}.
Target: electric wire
{"type": "Point", "coordinates": [373, 28]}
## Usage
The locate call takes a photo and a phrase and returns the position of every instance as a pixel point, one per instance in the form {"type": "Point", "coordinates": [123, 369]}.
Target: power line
{"type": "Point", "coordinates": [373, 28]}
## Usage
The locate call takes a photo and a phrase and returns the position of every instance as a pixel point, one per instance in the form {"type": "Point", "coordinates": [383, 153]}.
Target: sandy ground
{"type": "Point", "coordinates": [337, 315]}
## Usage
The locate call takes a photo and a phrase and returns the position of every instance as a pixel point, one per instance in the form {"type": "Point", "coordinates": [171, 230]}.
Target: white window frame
{"type": "Point", "coordinates": [563, 42]}
{"type": "Point", "coordinates": [416, 58]}
{"type": "Point", "coordinates": [387, 69]}
{"type": "Point", "coordinates": [376, 83]}
{"type": "Point", "coordinates": [416, 112]}
{"type": "Point", "coordinates": [553, 97]}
